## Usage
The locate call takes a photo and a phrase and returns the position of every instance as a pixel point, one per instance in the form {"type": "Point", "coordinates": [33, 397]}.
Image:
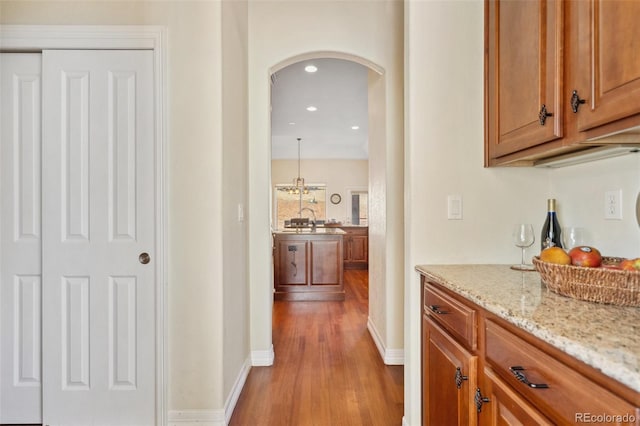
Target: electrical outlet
{"type": "Point", "coordinates": [613, 204]}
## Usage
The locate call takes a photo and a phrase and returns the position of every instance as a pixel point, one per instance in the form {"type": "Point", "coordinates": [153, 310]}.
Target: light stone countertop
{"type": "Point", "coordinates": [308, 231]}
{"type": "Point", "coordinates": [606, 337]}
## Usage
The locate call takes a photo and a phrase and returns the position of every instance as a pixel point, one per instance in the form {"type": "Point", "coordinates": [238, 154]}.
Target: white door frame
{"type": "Point", "coordinates": [39, 37]}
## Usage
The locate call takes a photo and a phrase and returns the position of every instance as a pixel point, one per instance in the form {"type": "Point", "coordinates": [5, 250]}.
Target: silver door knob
{"type": "Point", "coordinates": [144, 258]}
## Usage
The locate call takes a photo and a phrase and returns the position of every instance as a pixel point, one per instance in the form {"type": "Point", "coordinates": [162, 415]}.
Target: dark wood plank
{"type": "Point", "coordinates": [327, 369]}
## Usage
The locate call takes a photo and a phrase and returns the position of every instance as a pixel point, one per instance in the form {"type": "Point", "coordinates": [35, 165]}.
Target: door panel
{"type": "Point", "coordinates": [326, 262]}
{"type": "Point", "coordinates": [98, 205]}
{"type": "Point", "coordinates": [608, 61]}
{"type": "Point", "coordinates": [20, 239]}
{"type": "Point", "coordinates": [524, 73]}
{"type": "Point", "coordinates": [444, 403]}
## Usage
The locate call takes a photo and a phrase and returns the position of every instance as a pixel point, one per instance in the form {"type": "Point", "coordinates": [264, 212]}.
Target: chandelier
{"type": "Point", "coordinates": [298, 182]}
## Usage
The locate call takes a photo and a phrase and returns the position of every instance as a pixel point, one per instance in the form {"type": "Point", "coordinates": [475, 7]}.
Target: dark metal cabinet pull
{"type": "Point", "coordinates": [436, 309]}
{"type": "Point", "coordinates": [543, 114]}
{"type": "Point", "coordinates": [576, 101]}
{"type": "Point", "coordinates": [518, 372]}
{"type": "Point", "coordinates": [479, 400]}
{"type": "Point", "coordinates": [460, 378]}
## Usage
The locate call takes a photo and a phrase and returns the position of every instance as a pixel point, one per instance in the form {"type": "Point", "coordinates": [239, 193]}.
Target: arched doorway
{"type": "Point", "coordinates": [385, 301]}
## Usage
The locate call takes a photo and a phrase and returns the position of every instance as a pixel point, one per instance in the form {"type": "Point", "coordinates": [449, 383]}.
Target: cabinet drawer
{"type": "Point", "coordinates": [456, 317]}
{"type": "Point", "coordinates": [507, 407]}
{"type": "Point", "coordinates": [568, 398]}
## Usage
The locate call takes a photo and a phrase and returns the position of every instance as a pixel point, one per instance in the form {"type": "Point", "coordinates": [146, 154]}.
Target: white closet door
{"type": "Point", "coordinates": [20, 239]}
{"type": "Point", "coordinates": [98, 218]}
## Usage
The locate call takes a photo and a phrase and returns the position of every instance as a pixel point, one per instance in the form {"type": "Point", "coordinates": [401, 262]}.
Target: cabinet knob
{"type": "Point", "coordinates": [480, 400]}
{"type": "Point", "coordinates": [543, 114]}
{"type": "Point", "coordinates": [518, 372]}
{"type": "Point", "coordinates": [576, 101]}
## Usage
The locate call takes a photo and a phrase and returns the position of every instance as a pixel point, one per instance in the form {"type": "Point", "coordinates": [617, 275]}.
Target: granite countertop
{"type": "Point", "coordinates": [606, 337]}
{"type": "Point", "coordinates": [308, 231]}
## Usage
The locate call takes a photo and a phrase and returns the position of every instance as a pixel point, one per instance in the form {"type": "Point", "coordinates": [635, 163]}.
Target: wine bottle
{"type": "Point", "coordinates": [551, 232]}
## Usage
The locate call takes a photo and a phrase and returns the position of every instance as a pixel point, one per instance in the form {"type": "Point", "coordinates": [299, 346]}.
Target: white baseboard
{"type": "Point", "coordinates": [262, 358]}
{"type": "Point", "coordinates": [389, 356]}
{"type": "Point", "coordinates": [212, 417]}
{"type": "Point", "coordinates": [232, 399]}
{"type": "Point", "coordinates": [196, 418]}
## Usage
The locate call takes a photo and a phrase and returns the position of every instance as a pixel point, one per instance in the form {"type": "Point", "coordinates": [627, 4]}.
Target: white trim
{"type": "Point", "coordinates": [394, 357]}
{"type": "Point", "coordinates": [232, 399]}
{"type": "Point", "coordinates": [196, 418]}
{"type": "Point", "coordinates": [389, 356]}
{"type": "Point", "coordinates": [212, 417]}
{"type": "Point", "coordinates": [40, 37]}
{"type": "Point", "coordinates": [327, 54]}
{"type": "Point", "coordinates": [262, 358]}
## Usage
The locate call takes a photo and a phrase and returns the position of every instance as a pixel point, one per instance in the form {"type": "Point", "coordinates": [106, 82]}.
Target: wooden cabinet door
{"type": "Point", "coordinates": [445, 400]}
{"type": "Point", "coordinates": [326, 262]}
{"type": "Point", "coordinates": [359, 248]}
{"type": "Point", "coordinates": [290, 263]}
{"type": "Point", "coordinates": [523, 74]}
{"type": "Point", "coordinates": [506, 407]}
{"type": "Point", "coordinates": [608, 61]}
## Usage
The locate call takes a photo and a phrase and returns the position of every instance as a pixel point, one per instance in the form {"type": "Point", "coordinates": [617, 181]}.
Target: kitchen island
{"type": "Point", "coordinates": [308, 264]}
{"type": "Point", "coordinates": [511, 335]}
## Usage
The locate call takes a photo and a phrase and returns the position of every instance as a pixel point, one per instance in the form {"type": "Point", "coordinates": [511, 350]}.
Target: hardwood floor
{"type": "Point", "coordinates": [327, 369]}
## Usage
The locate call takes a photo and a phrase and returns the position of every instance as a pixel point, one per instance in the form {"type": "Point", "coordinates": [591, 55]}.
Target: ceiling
{"type": "Point", "coordinates": [338, 89]}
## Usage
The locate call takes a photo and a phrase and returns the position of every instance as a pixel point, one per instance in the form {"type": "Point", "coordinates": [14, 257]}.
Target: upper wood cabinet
{"type": "Point", "coordinates": [608, 73]}
{"type": "Point", "coordinates": [524, 75]}
{"type": "Point", "coordinates": [558, 75]}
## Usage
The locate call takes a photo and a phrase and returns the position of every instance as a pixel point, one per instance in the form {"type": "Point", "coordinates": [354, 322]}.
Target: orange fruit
{"type": "Point", "coordinates": [555, 255]}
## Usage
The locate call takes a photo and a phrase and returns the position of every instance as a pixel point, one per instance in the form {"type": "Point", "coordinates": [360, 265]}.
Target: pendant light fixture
{"type": "Point", "coordinates": [298, 182]}
{"type": "Point", "coordinates": [298, 186]}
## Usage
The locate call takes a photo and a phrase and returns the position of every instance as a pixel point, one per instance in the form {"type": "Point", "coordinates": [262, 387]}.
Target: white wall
{"type": "Point", "coordinates": [200, 277]}
{"type": "Point", "coordinates": [372, 31]}
{"type": "Point", "coordinates": [444, 155]}
{"type": "Point", "coordinates": [337, 175]}
{"type": "Point", "coordinates": [235, 321]}
{"type": "Point", "coordinates": [580, 191]}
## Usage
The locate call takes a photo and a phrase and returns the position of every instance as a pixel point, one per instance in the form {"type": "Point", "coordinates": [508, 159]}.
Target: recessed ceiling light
{"type": "Point", "coordinates": [291, 123]}
{"type": "Point", "coordinates": [311, 68]}
{"type": "Point", "coordinates": [311, 108]}
{"type": "Point", "coordinates": [355, 127]}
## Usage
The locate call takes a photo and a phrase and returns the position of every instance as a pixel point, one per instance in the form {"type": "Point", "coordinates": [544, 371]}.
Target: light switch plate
{"type": "Point", "coordinates": [454, 207]}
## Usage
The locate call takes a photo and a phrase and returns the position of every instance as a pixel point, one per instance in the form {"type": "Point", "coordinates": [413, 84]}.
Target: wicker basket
{"type": "Point", "coordinates": [600, 285]}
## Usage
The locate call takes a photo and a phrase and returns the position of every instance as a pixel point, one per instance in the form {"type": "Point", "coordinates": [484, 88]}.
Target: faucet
{"type": "Point", "coordinates": [313, 222]}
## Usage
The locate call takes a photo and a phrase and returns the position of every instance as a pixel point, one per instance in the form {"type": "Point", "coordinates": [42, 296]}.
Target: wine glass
{"type": "Point", "coordinates": [573, 236]}
{"type": "Point", "coordinates": [523, 237]}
